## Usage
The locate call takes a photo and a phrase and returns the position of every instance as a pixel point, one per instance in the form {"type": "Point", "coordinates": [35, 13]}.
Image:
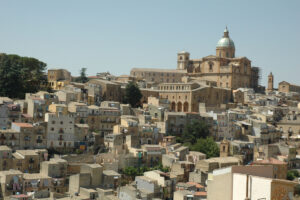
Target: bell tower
{"type": "Point", "coordinates": [183, 60]}
{"type": "Point", "coordinates": [270, 82]}
{"type": "Point", "coordinates": [224, 148]}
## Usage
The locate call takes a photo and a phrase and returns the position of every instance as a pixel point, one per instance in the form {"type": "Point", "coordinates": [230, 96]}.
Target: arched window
{"type": "Point", "coordinates": [211, 66]}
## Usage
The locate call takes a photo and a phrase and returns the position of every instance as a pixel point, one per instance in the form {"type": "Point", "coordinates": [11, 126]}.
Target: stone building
{"type": "Point", "coordinates": [186, 97]}
{"type": "Point", "coordinates": [4, 119]}
{"type": "Point", "coordinates": [270, 82]}
{"type": "Point", "coordinates": [58, 78]}
{"type": "Point", "coordinates": [158, 75]}
{"type": "Point", "coordinates": [5, 158]}
{"type": "Point", "coordinates": [10, 138]}
{"type": "Point", "coordinates": [60, 131]}
{"type": "Point", "coordinates": [102, 119]}
{"type": "Point", "coordinates": [279, 167]}
{"type": "Point", "coordinates": [79, 110]}
{"type": "Point", "coordinates": [109, 91]}
{"type": "Point", "coordinates": [56, 168]}
{"type": "Point", "coordinates": [176, 121]}
{"type": "Point", "coordinates": [286, 87]}
{"type": "Point", "coordinates": [223, 68]}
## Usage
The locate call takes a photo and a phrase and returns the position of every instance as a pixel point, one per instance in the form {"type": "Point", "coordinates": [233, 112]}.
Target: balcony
{"type": "Point", "coordinates": [27, 138]}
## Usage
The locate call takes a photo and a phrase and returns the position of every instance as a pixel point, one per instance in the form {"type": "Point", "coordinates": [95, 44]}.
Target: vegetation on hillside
{"type": "Point", "coordinates": [196, 136]}
{"type": "Point", "coordinates": [82, 78]}
{"type": "Point", "coordinates": [132, 172]}
{"type": "Point", "coordinates": [133, 94]}
{"type": "Point", "coordinates": [207, 146]}
{"type": "Point", "coordinates": [20, 75]}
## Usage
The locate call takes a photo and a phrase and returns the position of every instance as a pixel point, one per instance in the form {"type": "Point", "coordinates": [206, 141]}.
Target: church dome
{"type": "Point", "coordinates": [225, 41]}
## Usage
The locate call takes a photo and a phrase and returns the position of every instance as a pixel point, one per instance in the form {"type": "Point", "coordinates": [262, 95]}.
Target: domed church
{"type": "Point", "coordinates": [223, 69]}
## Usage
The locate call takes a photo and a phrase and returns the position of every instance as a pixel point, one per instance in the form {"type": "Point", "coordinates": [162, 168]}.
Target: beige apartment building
{"type": "Point", "coordinates": [103, 118]}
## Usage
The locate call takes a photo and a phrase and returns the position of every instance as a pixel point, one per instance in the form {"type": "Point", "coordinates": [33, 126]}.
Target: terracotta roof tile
{"type": "Point", "coordinates": [23, 125]}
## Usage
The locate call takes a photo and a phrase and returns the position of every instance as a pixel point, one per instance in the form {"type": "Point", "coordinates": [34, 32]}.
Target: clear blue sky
{"type": "Point", "coordinates": [115, 36]}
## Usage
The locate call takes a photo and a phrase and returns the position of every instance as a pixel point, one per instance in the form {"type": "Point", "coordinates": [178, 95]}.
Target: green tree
{"type": "Point", "coordinates": [133, 94]}
{"type": "Point", "coordinates": [82, 78]}
{"type": "Point", "coordinates": [207, 146]}
{"type": "Point", "coordinates": [131, 171]}
{"type": "Point", "coordinates": [20, 75]}
{"type": "Point", "coordinates": [194, 130]}
{"type": "Point", "coordinates": [292, 174]}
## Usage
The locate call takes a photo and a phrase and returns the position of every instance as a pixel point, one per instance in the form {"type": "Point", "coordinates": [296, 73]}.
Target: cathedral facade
{"type": "Point", "coordinates": [226, 70]}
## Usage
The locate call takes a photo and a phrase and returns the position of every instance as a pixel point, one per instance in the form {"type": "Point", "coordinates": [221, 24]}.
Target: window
{"type": "Point", "coordinates": [211, 66]}
{"type": "Point", "coordinates": [53, 122]}
{"type": "Point", "coordinates": [61, 122]}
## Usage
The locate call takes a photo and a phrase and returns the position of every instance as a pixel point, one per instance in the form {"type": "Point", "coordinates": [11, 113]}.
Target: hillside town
{"type": "Point", "coordinates": [204, 130]}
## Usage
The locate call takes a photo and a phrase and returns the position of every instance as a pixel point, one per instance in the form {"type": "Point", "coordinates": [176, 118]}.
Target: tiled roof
{"type": "Point", "coordinates": [270, 161]}
{"type": "Point", "coordinates": [23, 125]}
{"type": "Point", "coordinates": [200, 193]}
{"type": "Point", "coordinates": [197, 184]}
